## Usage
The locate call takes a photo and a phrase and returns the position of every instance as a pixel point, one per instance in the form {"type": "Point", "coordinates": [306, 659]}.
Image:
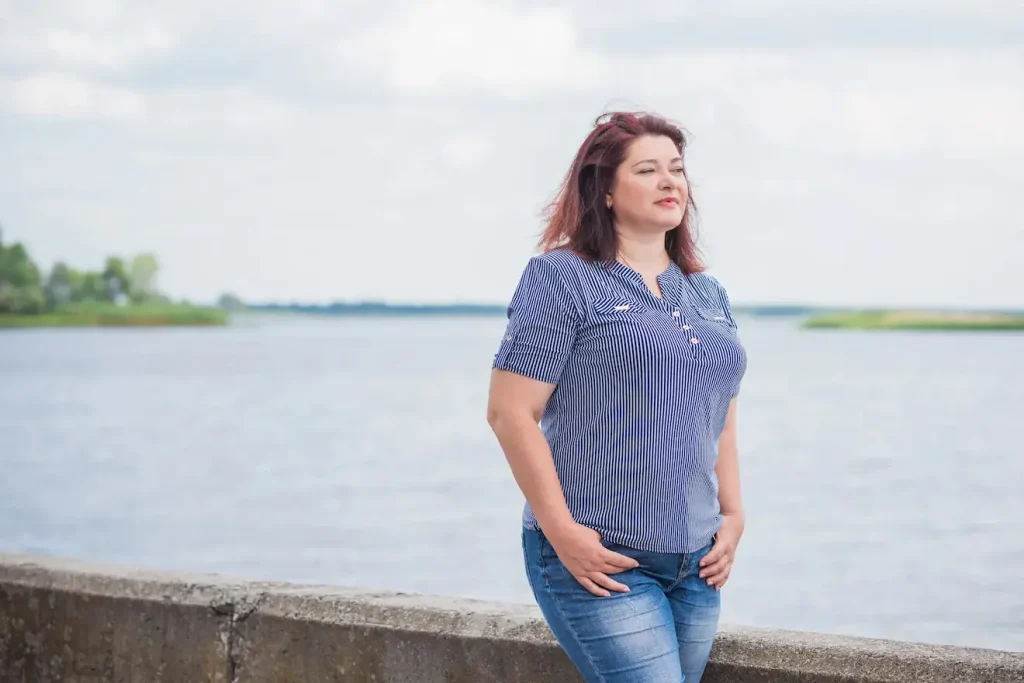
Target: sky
{"type": "Point", "coordinates": [841, 153]}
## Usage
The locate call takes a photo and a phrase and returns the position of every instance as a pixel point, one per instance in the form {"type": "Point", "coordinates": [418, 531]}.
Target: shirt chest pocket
{"type": "Point", "coordinates": [631, 322]}
{"type": "Point", "coordinates": [611, 308]}
{"type": "Point", "coordinates": [717, 317]}
{"type": "Point", "coordinates": [616, 315]}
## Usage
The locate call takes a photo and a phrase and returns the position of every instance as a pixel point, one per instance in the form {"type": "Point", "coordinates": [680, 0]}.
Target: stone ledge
{"type": "Point", "coordinates": [64, 619]}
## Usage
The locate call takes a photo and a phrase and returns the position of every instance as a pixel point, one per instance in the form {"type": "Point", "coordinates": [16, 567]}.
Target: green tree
{"type": "Point", "coordinates": [20, 290]}
{"type": "Point", "coordinates": [116, 280]}
{"type": "Point", "coordinates": [22, 300]}
{"type": "Point", "coordinates": [63, 286]}
{"type": "Point", "coordinates": [143, 277]}
{"type": "Point", "coordinates": [230, 302]}
{"type": "Point", "coordinates": [93, 288]}
{"type": "Point", "coordinates": [16, 268]}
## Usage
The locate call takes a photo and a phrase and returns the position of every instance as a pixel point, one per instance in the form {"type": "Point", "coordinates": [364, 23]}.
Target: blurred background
{"type": "Point", "coordinates": [254, 258]}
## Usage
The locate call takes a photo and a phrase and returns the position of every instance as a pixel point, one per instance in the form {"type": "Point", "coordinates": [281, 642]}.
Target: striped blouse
{"type": "Point", "coordinates": [643, 386]}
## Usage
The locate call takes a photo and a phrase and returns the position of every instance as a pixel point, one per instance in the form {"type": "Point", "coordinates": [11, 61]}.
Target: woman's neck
{"type": "Point", "coordinates": [644, 253]}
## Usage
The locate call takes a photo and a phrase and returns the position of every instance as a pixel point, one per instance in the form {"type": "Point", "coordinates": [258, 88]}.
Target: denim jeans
{"type": "Point", "coordinates": [661, 631]}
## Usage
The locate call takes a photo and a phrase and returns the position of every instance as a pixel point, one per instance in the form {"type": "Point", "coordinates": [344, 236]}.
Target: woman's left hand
{"type": "Point", "coordinates": [716, 566]}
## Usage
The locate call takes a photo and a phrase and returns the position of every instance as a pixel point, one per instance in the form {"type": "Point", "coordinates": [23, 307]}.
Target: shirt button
{"type": "Point", "coordinates": [675, 314]}
{"type": "Point", "coordinates": [686, 327]}
{"type": "Point", "coordinates": [694, 340]}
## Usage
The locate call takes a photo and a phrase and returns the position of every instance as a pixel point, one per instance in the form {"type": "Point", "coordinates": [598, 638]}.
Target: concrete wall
{"type": "Point", "coordinates": [64, 620]}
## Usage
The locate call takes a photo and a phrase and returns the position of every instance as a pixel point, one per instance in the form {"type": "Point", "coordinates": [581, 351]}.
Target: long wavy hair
{"type": "Point", "coordinates": [579, 218]}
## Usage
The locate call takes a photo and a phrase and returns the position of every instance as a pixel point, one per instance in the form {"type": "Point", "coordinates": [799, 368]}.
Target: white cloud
{"type": "Point", "coordinates": [484, 46]}
{"type": "Point", "coordinates": [466, 149]}
{"type": "Point", "coordinates": [972, 122]}
{"type": "Point", "coordinates": [53, 95]}
{"type": "Point", "coordinates": [212, 111]}
{"type": "Point", "coordinates": [78, 49]}
{"type": "Point", "coordinates": [76, 36]}
{"type": "Point", "coordinates": [874, 7]}
{"type": "Point", "coordinates": [876, 103]}
{"type": "Point", "coordinates": [243, 125]}
{"type": "Point", "coordinates": [94, 14]}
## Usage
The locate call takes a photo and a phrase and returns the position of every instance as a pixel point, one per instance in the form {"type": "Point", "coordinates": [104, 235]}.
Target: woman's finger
{"type": "Point", "coordinates": [606, 581]}
{"type": "Point", "coordinates": [718, 570]}
{"type": "Point", "coordinates": [593, 587]}
{"type": "Point", "coordinates": [714, 555]}
{"type": "Point", "coordinates": [606, 566]}
{"type": "Point", "coordinates": [618, 560]}
{"type": "Point", "coordinates": [715, 568]}
{"type": "Point", "coordinates": [718, 579]}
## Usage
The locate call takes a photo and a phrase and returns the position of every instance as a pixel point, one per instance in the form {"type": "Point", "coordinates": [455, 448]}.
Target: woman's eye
{"type": "Point", "coordinates": [651, 170]}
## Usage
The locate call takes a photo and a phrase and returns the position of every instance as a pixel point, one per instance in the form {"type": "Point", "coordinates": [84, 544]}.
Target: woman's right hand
{"type": "Point", "coordinates": [580, 550]}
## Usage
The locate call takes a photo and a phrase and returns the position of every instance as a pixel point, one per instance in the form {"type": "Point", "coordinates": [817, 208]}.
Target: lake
{"type": "Point", "coordinates": [882, 472]}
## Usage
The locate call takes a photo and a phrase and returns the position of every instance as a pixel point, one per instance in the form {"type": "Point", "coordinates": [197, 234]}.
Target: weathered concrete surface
{"type": "Point", "coordinates": [361, 636]}
{"type": "Point", "coordinates": [67, 621]}
{"type": "Point", "coordinates": [63, 620]}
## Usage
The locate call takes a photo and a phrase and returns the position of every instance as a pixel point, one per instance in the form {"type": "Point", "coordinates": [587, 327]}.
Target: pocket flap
{"type": "Point", "coordinates": [716, 315]}
{"type": "Point", "coordinates": [611, 305]}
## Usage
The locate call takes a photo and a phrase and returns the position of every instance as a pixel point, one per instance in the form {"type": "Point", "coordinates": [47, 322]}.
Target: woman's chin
{"type": "Point", "coordinates": [669, 222]}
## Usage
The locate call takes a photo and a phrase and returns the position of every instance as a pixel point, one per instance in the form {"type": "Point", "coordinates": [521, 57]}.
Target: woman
{"type": "Point", "coordinates": [613, 396]}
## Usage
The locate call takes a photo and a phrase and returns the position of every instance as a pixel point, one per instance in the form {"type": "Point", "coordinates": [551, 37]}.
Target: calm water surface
{"type": "Point", "coordinates": [882, 472]}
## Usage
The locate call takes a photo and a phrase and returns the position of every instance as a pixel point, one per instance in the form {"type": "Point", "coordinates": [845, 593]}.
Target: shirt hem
{"type": "Point", "coordinates": [622, 538]}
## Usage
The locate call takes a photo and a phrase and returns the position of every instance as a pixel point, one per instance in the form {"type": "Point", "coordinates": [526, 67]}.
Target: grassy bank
{"type": "Point", "coordinates": [104, 315]}
{"type": "Point", "coordinates": [915, 320]}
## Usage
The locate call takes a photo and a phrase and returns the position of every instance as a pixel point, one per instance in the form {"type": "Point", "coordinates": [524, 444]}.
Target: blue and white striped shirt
{"type": "Point", "coordinates": [643, 390]}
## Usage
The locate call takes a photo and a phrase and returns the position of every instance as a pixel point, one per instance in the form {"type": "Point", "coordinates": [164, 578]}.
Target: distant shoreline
{"type": "Point", "coordinates": [819, 314]}
{"type": "Point", "coordinates": [112, 315]}
{"type": "Point", "coordinates": [376, 308]}
{"type": "Point", "coordinates": [379, 308]}
{"type": "Point", "coordinates": [810, 317]}
{"type": "Point", "coordinates": [917, 320]}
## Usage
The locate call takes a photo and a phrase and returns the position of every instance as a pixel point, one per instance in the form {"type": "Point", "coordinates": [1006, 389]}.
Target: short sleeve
{"type": "Point", "coordinates": [542, 325]}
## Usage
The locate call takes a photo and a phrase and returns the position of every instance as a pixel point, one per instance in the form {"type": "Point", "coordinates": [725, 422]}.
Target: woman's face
{"type": "Point", "coordinates": [649, 191]}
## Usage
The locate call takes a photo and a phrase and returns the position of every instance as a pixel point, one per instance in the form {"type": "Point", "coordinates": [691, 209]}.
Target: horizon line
{"type": "Point", "coordinates": [383, 303]}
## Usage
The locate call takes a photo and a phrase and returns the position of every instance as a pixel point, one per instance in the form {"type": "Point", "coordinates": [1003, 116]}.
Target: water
{"type": "Point", "coordinates": [882, 472]}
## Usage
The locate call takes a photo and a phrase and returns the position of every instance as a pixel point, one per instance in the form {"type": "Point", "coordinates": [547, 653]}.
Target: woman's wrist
{"type": "Point", "coordinates": [553, 524]}
{"type": "Point", "coordinates": [734, 516]}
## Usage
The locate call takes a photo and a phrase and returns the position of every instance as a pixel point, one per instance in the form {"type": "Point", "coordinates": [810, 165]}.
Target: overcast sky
{"type": "Point", "coordinates": [861, 153]}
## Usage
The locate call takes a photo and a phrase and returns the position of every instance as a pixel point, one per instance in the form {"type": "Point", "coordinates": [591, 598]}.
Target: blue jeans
{"type": "Point", "coordinates": [661, 631]}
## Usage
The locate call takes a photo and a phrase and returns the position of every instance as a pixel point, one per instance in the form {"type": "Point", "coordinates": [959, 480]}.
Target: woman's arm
{"type": "Point", "coordinates": [514, 409]}
{"type": "Point", "coordinates": [728, 467]}
{"type": "Point", "coordinates": [717, 564]}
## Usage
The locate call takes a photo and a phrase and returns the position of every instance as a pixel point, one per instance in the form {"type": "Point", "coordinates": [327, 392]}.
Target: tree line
{"type": "Point", "coordinates": [25, 290]}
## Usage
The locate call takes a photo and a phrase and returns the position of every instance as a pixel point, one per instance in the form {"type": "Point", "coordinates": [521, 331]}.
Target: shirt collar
{"type": "Point", "coordinates": [671, 280]}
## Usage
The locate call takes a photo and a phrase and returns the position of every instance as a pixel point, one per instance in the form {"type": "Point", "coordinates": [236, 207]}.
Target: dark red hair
{"type": "Point", "coordinates": [579, 218]}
